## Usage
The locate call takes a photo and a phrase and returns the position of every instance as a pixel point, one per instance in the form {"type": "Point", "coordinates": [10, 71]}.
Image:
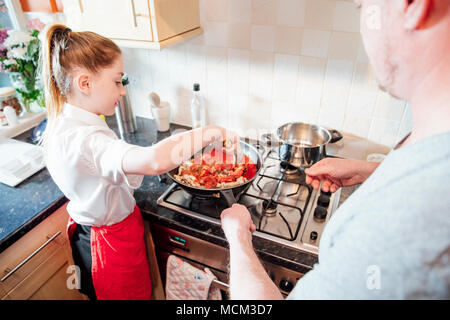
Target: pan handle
{"type": "Point", "coordinates": [162, 178]}
{"type": "Point", "coordinates": [335, 136]}
{"type": "Point", "coordinates": [229, 197]}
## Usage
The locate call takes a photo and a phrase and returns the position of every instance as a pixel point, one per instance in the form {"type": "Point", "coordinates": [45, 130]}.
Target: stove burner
{"type": "Point", "coordinates": [269, 208]}
{"type": "Point", "coordinates": [288, 169]}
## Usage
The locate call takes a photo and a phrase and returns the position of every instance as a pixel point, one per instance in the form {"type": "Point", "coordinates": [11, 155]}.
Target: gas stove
{"type": "Point", "coordinates": [283, 207]}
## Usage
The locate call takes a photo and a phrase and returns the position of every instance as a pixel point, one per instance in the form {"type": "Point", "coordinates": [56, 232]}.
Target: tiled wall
{"type": "Point", "coordinates": [262, 63]}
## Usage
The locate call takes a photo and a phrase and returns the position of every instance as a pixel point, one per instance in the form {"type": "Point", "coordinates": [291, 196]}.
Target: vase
{"type": "Point", "coordinates": [25, 88]}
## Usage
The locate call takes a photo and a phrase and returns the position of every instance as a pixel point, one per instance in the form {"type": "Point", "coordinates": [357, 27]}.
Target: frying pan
{"type": "Point", "coordinates": [229, 194]}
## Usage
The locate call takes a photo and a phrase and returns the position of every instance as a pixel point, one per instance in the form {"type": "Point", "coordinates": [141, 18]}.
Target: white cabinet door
{"type": "Point", "coordinates": [116, 19]}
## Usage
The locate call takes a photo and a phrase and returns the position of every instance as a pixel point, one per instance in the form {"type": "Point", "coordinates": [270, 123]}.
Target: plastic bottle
{"type": "Point", "coordinates": [197, 108]}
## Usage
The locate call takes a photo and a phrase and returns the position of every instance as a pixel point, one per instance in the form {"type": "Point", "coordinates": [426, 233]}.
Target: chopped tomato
{"type": "Point", "coordinates": [207, 167]}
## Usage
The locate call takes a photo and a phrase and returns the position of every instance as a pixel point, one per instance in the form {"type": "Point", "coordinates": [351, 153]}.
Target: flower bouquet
{"type": "Point", "coordinates": [19, 56]}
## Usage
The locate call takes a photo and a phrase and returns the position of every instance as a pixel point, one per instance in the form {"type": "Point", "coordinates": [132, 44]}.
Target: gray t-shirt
{"type": "Point", "coordinates": [391, 238]}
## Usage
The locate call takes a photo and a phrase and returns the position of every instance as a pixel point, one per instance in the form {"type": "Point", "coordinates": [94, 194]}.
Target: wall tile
{"type": "Point", "coordinates": [384, 131]}
{"type": "Point", "coordinates": [346, 17]}
{"type": "Point", "coordinates": [315, 43]}
{"type": "Point", "coordinates": [238, 115]}
{"type": "Point", "coordinates": [361, 103]}
{"type": "Point", "coordinates": [261, 75]}
{"type": "Point", "coordinates": [196, 65]}
{"type": "Point", "coordinates": [238, 71]}
{"type": "Point", "coordinates": [216, 10]}
{"type": "Point", "coordinates": [331, 119]}
{"type": "Point", "coordinates": [310, 84]}
{"type": "Point", "coordinates": [320, 14]}
{"type": "Point", "coordinates": [261, 63]}
{"type": "Point", "coordinates": [357, 125]}
{"type": "Point", "coordinates": [291, 13]}
{"type": "Point", "coordinates": [288, 40]}
{"type": "Point", "coordinates": [388, 107]}
{"type": "Point", "coordinates": [263, 38]}
{"type": "Point", "coordinates": [362, 55]}
{"type": "Point", "coordinates": [259, 113]}
{"type": "Point", "coordinates": [343, 45]}
{"type": "Point", "coordinates": [238, 35]}
{"type": "Point", "coordinates": [364, 78]}
{"type": "Point", "coordinates": [281, 113]}
{"type": "Point", "coordinates": [264, 12]}
{"type": "Point", "coordinates": [285, 77]}
{"type": "Point", "coordinates": [216, 71]}
{"type": "Point", "coordinates": [338, 79]}
{"type": "Point", "coordinates": [216, 34]}
{"type": "Point", "coordinates": [240, 11]}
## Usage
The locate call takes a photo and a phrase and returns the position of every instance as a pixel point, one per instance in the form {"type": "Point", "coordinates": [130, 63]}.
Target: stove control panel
{"type": "Point", "coordinates": [322, 206]}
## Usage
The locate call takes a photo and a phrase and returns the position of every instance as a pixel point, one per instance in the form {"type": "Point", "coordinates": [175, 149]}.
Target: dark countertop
{"type": "Point", "coordinates": [38, 196]}
{"type": "Point", "coordinates": [30, 202]}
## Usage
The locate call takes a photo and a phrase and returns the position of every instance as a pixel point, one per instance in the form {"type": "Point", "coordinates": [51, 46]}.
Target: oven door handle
{"type": "Point", "coordinates": [220, 285]}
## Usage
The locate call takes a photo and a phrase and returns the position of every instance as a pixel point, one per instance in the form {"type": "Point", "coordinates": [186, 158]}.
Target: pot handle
{"type": "Point", "coordinates": [270, 139]}
{"type": "Point", "coordinates": [335, 136]}
{"type": "Point", "coordinates": [229, 197]}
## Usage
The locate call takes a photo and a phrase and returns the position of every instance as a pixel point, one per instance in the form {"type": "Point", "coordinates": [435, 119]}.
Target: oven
{"type": "Point", "coordinates": [203, 254]}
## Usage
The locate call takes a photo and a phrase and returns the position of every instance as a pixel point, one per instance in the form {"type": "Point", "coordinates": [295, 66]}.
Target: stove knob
{"type": "Point", "coordinates": [323, 201]}
{"type": "Point", "coordinates": [320, 213]}
{"type": "Point", "coordinates": [313, 235]}
{"type": "Point", "coordinates": [286, 285]}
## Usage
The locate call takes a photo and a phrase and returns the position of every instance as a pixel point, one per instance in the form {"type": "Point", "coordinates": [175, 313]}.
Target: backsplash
{"type": "Point", "coordinates": [262, 63]}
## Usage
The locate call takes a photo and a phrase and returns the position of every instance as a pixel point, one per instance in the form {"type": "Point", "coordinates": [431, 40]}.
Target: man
{"type": "Point", "coordinates": [391, 238]}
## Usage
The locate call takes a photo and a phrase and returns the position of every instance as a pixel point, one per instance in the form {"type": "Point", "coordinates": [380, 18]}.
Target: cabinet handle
{"type": "Point", "coordinates": [134, 13]}
{"type": "Point", "coordinates": [81, 6]}
{"type": "Point", "coordinates": [30, 256]}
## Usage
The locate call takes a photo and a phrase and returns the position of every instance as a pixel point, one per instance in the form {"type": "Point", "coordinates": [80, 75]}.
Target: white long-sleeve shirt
{"type": "Point", "coordinates": [84, 158]}
{"type": "Point", "coordinates": [391, 238]}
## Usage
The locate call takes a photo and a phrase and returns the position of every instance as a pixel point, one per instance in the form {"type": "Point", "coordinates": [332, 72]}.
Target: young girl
{"type": "Point", "coordinates": [97, 172]}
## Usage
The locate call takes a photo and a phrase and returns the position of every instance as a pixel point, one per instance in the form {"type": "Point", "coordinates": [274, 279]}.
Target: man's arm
{"type": "Point", "coordinates": [248, 278]}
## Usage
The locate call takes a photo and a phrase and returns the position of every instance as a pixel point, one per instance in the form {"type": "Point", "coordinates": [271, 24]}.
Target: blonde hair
{"type": "Point", "coordinates": [62, 50]}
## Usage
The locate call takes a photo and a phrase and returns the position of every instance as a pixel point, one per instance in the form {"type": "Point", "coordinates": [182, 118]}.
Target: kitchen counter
{"type": "Point", "coordinates": [38, 196]}
{"type": "Point", "coordinates": [26, 205]}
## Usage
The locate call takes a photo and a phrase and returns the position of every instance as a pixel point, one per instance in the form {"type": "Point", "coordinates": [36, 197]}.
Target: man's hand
{"type": "Point", "coordinates": [248, 278]}
{"type": "Point", "coordinates": [237, 224]}
{"type": "Point", "coordinates": [338, 173]}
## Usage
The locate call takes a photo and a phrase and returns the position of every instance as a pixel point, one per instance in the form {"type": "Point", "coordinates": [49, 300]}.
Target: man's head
{"type": "Point", "coordinates": [405, 40]}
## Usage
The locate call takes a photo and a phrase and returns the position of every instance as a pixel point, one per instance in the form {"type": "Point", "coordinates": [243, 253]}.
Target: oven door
{"type": "Point", "coordinates": [203, 254]}
{"type": "Point", "coordinates": [198, 253]}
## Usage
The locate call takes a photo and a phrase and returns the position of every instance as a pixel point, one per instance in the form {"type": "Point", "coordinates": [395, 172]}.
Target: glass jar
{"type": "Point", "coordinates": [8, 97]}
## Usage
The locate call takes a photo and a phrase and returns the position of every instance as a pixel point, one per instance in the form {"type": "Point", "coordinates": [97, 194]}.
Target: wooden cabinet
{"type": "Point", "coordinates": [152, 24]}
{"type": "Point", "coordinates": [41, 5]}
{"type": "Point", "coordinates": [36, 266]}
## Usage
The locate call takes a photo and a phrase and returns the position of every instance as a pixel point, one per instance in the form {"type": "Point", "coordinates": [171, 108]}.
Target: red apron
{"type": "Point", "coordinates": [120, 268]}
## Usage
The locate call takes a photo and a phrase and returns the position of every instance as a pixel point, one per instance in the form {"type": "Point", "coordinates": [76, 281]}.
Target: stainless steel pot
{"type": "Point", "coordinates": [302, 144]}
